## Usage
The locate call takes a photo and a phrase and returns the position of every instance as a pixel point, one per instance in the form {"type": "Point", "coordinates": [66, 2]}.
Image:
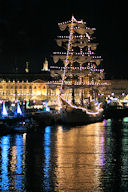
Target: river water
{"type": "Point", "coordinates": [90, 158]}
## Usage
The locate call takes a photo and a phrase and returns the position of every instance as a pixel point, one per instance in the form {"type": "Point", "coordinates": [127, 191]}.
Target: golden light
{"type": "Point", "coordinates": [57, 91]}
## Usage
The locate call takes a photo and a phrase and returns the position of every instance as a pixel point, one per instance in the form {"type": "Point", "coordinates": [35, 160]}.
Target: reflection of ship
{"type": "Point", "coordinates": [80, 75]}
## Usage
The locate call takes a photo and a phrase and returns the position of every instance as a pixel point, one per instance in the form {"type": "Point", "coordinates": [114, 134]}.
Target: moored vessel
{"type": "Point", "coordinates": [80, 74]}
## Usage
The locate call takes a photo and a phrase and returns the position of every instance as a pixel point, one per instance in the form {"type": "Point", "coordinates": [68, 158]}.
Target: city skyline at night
{"type": "Point", "coordinates": [28, 31]}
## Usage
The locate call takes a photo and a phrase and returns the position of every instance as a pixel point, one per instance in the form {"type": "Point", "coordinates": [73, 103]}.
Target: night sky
{"type": "Point", "coordinates": [28, 29]}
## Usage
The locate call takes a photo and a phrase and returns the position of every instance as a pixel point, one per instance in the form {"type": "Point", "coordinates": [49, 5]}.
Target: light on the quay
{"type": "Point", "coordinates": [47, 108]}
{"type": "Point", "coordinates": [19, 109]}
{"type": "Point", "coordinates": [4, 111]}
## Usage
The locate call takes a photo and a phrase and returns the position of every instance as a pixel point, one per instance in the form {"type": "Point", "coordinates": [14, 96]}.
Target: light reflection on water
{"type": "Point", "coordinates": [86, 158]}
{"type": "Point", "coordinates": [47, 151]}
{"type": "Point", "coordinates": [4, 163]}
{"type": "Point", "coordinates": [80, 158]}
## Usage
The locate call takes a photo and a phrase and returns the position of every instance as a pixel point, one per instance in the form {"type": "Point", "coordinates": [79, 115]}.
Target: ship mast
{"type": "Point", "coordinates": [67, 56]}
{"type": "Point", "coordinates": [80, 62]}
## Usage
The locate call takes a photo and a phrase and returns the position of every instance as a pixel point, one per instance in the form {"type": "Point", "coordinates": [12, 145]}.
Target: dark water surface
{"type": "Point", "coordinates": [90, 158]}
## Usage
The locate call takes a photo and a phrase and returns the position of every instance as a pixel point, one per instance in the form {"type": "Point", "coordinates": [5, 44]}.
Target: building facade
{"type": "Point", "coordinates": [40, 87]}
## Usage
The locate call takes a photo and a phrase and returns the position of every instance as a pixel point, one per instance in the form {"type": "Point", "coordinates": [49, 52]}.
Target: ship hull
{"type": "Point", "coordinates": [78, 116]}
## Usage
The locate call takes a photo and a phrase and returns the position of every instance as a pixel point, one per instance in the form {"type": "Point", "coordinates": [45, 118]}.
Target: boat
{"type": "Point", "coordinates": [46, 117]}
{"type": "Point", "coordinates": [10, 117]}
{"type": "Point", "coordinates": [80, 77]}
{"type": "Point", "coordinates": [43, 117]}
{"type": "Point", "coordinates": [115, 110]}
{"type": "Point", "coordinates": [71, 114]}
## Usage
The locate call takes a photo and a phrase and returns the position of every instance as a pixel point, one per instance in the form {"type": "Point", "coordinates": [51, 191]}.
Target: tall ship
{"type": "Point", "coordinates": [79, 72]}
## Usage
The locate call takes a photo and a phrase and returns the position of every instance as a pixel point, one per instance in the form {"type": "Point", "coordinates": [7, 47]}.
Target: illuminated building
{"type": "Point", "coordinates": [30, 86]}
{"type": "Point", "coordinates": [46, 86]}
{"type": "Point", "coordinates": [26, 86]}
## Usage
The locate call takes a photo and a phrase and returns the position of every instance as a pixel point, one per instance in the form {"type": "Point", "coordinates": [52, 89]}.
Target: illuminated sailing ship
{"type": "Point", "coordinates": [78, 73]}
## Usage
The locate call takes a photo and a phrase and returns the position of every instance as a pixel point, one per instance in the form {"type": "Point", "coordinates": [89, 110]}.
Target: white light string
{"type": "Point", "coordinates": [70, 36]}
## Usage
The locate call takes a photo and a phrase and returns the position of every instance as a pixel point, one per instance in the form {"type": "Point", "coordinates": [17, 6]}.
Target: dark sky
{"type": "Point", "coordinates": [28, 29]}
